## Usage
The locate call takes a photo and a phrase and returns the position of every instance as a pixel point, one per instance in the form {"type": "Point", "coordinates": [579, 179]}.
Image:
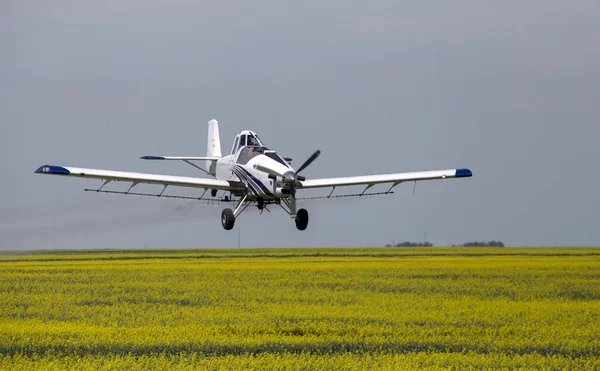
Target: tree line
{"type": "Point", "coordinates": [491, 243]}
{"type": "Point", "coordinates": [410, 244]}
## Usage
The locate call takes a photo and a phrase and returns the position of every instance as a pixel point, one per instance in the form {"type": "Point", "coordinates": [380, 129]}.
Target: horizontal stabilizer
{"type": "Point", "coordinates": [180, 158]}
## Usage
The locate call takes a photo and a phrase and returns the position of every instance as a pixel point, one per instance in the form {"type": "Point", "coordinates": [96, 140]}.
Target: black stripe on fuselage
{"type": "Point", "coordinates": [257, 182]}
{"type": "Point", "coordinates": [249, 181]}
{"type": "Point", "coordinates": [242, 176]}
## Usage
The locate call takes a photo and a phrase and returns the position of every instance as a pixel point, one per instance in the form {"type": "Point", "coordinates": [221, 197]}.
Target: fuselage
{"type": "Point", "coordinates": [254, 164]}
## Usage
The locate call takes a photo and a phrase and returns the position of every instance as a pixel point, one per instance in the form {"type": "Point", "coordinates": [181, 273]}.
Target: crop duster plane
{"type": "Point", "coordinates": [251, 175]}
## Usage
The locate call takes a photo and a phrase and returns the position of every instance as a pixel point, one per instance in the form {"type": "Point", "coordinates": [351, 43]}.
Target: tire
{"type": "Point", "coordinates": [302, 219]}
{"type": "Point", "coordinates": [213, 193]}
{"type": "Point", "coordinates": [227, 219]}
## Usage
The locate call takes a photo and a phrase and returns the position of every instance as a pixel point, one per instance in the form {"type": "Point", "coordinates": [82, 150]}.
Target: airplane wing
{"type": "Point", "coordinates": [393, 179]}
{"type": "Point", "coordinates": [138, 178]}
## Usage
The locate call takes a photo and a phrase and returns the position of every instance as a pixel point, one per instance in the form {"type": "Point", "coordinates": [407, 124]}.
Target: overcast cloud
{"type": "Point", "coordinates": [509, 89]}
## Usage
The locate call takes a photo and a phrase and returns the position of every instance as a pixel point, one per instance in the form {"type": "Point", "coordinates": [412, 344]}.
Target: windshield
{"type": "Point", "coordinates": [252, 141]}
{"type": "Point", "coordinates": [247, 154]}
{"type": "Point", "coordinates": [235, 146]}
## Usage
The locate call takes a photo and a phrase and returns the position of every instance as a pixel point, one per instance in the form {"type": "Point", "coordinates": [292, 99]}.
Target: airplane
{"type": "Point", "coordinates": [251, 174]}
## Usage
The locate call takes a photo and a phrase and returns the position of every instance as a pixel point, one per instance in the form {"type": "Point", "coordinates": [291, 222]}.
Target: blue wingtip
{"type": "Point", "coordinates": [152, 158]}
{"type": "Point", "coordinates": [463, 173]}
{"type": "Point", "coordinates": [51, 169]}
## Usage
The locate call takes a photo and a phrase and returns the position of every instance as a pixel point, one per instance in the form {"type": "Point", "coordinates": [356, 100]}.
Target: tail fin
{"type": "Point", "coordinates": [213, 147]}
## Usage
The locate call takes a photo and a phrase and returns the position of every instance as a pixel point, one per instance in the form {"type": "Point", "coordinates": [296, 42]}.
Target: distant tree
{"type": "Point", "coordinates": [491, 243]}
{"type": "Point", "coordinates": [414, 244]}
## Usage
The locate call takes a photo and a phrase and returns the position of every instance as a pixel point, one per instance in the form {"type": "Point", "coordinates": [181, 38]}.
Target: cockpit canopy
{"type": "Point", "coordinates": [246, 139]}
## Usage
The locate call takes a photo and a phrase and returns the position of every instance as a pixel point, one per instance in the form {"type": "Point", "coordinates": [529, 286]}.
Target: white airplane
{"type": "Point", "coordinates": [251, 174]}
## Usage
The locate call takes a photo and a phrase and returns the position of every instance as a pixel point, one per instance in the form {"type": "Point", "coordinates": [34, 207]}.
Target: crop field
{"type": "Point", "coordinates": [301, 309]}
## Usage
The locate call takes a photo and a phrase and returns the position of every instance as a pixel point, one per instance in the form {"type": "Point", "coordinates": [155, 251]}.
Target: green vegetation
{"type": "Point", "coordinates": [381, 308]}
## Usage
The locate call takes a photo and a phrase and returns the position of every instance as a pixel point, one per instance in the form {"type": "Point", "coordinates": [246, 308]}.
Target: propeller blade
{"type": "Point", "coordinates": [309, 161]}
{"type": "Point", "coordinates": [293, 200]}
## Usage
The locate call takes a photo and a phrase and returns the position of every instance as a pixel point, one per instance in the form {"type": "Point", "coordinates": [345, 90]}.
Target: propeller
{"type": "Point", "coordinates": [309, 161]}
{"type": "Point", "coordinates": [298, 178]}
{"type": "Point", "coordinates": [290, 179]}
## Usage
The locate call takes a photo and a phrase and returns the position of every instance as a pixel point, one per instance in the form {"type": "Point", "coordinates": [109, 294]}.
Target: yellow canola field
{"type": "Point", "coordinates": [364, 308]}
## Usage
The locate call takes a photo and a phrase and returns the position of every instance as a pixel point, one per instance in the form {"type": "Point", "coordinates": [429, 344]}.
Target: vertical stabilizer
{"type": "Point", "coordinates": [213, 148]}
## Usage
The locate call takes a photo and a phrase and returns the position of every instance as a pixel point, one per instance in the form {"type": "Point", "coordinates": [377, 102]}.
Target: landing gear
{"type": "Point", "coordinates": [213, 193]}
{"type": "Point", "coordinates": [227, 219]}
{"type": "Point", "coordinates": [228, 216]}
{"type": "Point", "coordinates": [302, 219]}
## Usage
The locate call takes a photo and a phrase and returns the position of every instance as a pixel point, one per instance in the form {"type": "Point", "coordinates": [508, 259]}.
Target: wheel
{"type": "Point", "coordinates": [227, 219]}
{"type": "Point", "coordinates": [213, 193]}
{"type": "Point", "coordinates": [302, 219]}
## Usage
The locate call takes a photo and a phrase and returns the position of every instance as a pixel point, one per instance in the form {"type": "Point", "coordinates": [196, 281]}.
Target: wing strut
{"type": "Point", "coordinates": [203, 193]}
{"type": "Point", "coordinates": [132, 185]}
{"type": "Point", "coordinates": [367, 188]}
{"type": "Point", "coordinates": [198, 167]}
{"type": "Point", "coordinates": [330, 193]}
{"type": "Point", "coordinates": [105, 183]}
{"type": "Point", "coordinates": [392, 187]}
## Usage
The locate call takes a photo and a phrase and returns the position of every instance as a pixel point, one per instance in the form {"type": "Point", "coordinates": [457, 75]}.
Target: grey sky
{"type": "Point", "coordinates": [509, 89]}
